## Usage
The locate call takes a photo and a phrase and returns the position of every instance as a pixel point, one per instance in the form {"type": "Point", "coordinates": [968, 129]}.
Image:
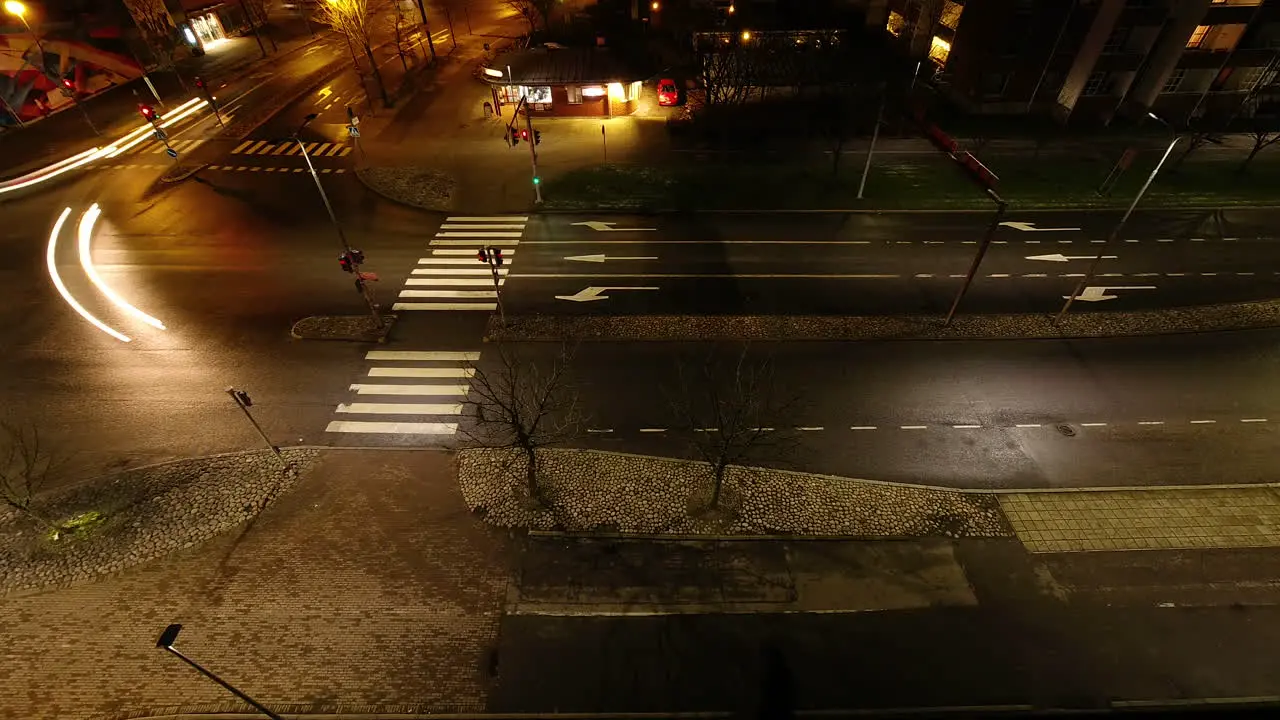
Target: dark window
{"type": "Point", "coordinates": [1115, 42]}
{"type": "Point", "coordinates": [1096, 84]}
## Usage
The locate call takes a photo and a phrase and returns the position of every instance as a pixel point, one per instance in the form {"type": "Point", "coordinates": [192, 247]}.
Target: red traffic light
{"type": "Point", "coordinates": [344, 260]}
{"type": "Point", "coordinates": [524, 135]}
{"type": "Point", "coordinates": [482, 256]}
{"type": "Point", "coordinates": [147, 112]}
{"type": "Point", "coordinates": [497, 256]}
{"type": "Point", "coordinates": [66, 83]}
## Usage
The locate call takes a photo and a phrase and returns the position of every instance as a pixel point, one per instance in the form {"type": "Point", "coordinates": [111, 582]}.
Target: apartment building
{"type": "Point", "coordinates": [1088, 62]}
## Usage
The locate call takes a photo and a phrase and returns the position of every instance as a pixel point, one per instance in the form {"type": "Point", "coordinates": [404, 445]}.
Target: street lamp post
{"type": "Point", "coordinates": [1115, 232]}
{"type": "Point", "coordinates": [166, 641]}
{"type": "Point", "coordinates": [18, 10]}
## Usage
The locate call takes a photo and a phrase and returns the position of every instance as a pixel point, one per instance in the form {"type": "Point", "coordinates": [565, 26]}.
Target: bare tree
{"type": "Point", "coordinates": [535, 12]}
{"type": "Point", "coordinates": [1263, 136]}
{"type": "Point", "coordinates": [156, 26]}
{"type": "Point", "coordinates": [26, 464]}
{"type": "Point", "coordinates": [401, 28]}
{"type": "Point", "coordinates": [524, 406]}
{"type": "Point", "coordinates": [256, 10]}
{"type": "Point", "coordinates": [731, 413]}
{"type": "Point", "coordinates": [355, 19]}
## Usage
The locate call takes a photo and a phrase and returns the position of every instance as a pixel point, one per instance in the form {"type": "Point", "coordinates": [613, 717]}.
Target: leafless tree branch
{"type": "Point", "coordinates": [27, 463]}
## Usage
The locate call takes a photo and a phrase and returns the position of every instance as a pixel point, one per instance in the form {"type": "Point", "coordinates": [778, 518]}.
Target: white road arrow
{"type": "Point", "coordinates": [1096, 293]}
{"type": "Point", "coordinates": [602, 257]}
{"type": "Point", "coordinates": [1031, 227]}
{"type": "Point", "coordinates": [607, 226]}
{"type": "Point", "coordinates": [588, 294]}
{"type": "Point", "coordinates": [1059, 257]}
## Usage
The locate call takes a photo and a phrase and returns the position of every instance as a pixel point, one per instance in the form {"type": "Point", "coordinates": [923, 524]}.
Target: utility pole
{"type": "Point", "coordinates": [242, 401]}
{"type": "Point", "coordinates": [533, 154]}
{"type": "Point", "coordinates": [977, 258]}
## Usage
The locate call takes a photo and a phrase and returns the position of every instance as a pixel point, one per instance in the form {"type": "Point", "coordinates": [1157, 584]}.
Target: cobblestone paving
{"type": "Point", "coordinates": [369, 584]}
{"type": "Point", "coordinates": [1145, 519]}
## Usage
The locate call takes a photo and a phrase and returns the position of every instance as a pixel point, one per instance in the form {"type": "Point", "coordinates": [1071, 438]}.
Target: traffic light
{"type": "Point", "coordinates": [67, 84]}
{"type": "Point", "coordinates": [514, 137]}
{"type": "Point", "coordinates": [345, 261]}
{"type": "Point", "coordinates": [199, 82]}
{"type": "Point", "coordinates": [497, 256]}
{"type": "Point", "coordinates": [148, 113]}
{"type": "Point", "coordinates": [524, 135]}
{"type": "Point", "coordinates": [482, 256]}
{"type": "Point", "coordinates": [357, 256]}
{"type": "Point", "coordinates": [537, 180]}
{"type": "Point", "coordinates": [537, 137]}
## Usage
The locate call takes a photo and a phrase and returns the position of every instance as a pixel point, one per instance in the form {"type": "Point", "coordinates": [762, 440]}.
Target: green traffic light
{"type": "Point", "coordinates": [537, 181]}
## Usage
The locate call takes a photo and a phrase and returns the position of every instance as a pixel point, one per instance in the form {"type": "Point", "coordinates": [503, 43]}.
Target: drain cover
{"type": "Point", "coordinates": [1067, 430]}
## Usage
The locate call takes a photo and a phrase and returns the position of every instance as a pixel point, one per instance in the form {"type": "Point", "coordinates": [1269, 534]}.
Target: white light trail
{"type": "Point", "coordinates": [87, 221]}
{"type": "Point", "coordinates": [50, 172]}
{"type": "Point", "coordinates": [51, 260]}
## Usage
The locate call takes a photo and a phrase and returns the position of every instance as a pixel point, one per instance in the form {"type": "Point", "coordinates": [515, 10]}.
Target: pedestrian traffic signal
{"type": "Point", "coordinates": [67, 84]}
{"type": "Point", "coordinates": [148, 113]}
{"type": "Point", "coordinates": [497, 256]}
{"type": "Point", "coordinates": [513, 137]}
{"type": "Point", "coordinates": [537, 137]}
{"type": "Point", "coordinates": [199, 82]}
{"type": "Point", "coordinates": [357, 256]}
{"type": "Point", "coordinates": [482, 256]}
{"type": "Point", "coordinates": [524, 135]}
{"type": "Point", "coordinates": [344, 260]}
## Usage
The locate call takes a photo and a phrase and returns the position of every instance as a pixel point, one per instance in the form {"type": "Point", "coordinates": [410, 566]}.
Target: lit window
{"type": "Point", "coordinates": [575, 94]}
{"type": "Point", "coordinates": [896, 24]}
{"type": "Point", "coordinates": [950, 15]}
{"type": "Point", "coordinates": [1096, 84]}
{"type": "Point", "coordinates": [939, 49]}
{"type": "Point", "coordinates": [1197, 36]}
{"type": "Point", "coordinates": [1174, 80]}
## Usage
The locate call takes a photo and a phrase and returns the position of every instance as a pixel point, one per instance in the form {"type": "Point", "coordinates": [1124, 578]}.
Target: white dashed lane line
{"type": "Point", "coordinates": [973, 426]}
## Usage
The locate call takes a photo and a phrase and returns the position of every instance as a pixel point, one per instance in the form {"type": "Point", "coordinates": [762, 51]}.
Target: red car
{"type": "Point", "coordinates": [668, 93]}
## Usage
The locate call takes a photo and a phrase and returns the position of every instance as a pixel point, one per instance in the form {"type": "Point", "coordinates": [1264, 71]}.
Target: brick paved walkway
{"type": "Point", "coordinates": [1145, 519]}
{"type": "Point", "coordinates": [368, 584]}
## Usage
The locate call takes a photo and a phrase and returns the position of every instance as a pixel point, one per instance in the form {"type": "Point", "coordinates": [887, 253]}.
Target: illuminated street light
{"type": "Point", "coordinates": [655, 6]}
{"type": "Point", "coordinates": [732, 9]}
{"type": "Point", "coordinates": [746, 35]}
{"type": "Point", "coordinates": [13, 7]}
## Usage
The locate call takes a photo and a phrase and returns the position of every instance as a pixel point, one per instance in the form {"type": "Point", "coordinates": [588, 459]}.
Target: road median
{"type": "Point", "coordinates": [1207, 318]}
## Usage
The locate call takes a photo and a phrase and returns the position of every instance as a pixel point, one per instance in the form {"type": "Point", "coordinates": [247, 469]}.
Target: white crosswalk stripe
{"type": "Point", "coordinates": [433, 387]}
{"type": "Point", "coordinates": [453, 264]}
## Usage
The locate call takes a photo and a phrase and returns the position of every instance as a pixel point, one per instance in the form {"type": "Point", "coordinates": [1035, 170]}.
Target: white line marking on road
{"type": "Point", "coordinates": [256, 146]}
{"type": "Point", "coordinates": [595, 430]}
{"type": "Point", "coordinates": [924, 275]}
{"type": "Point", "coordinates": [915, 427]}
{"type": "Point", "coordinates": [334, 150]}
{"type": "Point", "coordinates": [1097, 242]}
{"type": "Point", "coordinates": [1244, 273]}
{"type": "Point", "coordinates": [1001, 242]}
{"type": "Point", "coordinates": [504, 244]}
{"type": "Point", "coordinates": [396, 428]}
{"type": "Point", "coordinates": [471, 270]}
{"type": "Point", "coordinates": [705, 429]}
{"type": "Point", "coordinates": [999, 275]}
{"type": "Point", "coordinates": [810, 428]}
{"type": "Point", "coordinates": [486, 307]}
{"type": "Point", "coordinates": [401, 408]}
{"type": "Point", "coordinates": [488, 218]}
{"type": "Point", "coordinates": [652, 430]}
{"type": "Point", "coordinates": [1150, 422]}
{"type": "Point", "coordinates": [452, 254]}
{"type": "Point", "coordinates": [1146, 274]}
{"type": "Point", "coordinates": [242, 168]}
{"type": "Point", "coordinates": [1064, 242]}
{"type": "Point", "coordinates": [1110, 274]}
{"type": "Point", "coordinates": [773, 276]}
{"type": "Point", "coordinates": [934, 242]}
{"type": "Point", "coordinates": [1175, 274]}
{"type": "Point", "coordinates": [367, 389]}
{"type": "Point", "coordinates": [1028, 425]}
{"type": "Point", "coordinates": [1165, 240]}
{"type": "Point", "coordinates": [957, 275]}
{"type": "Point", "coordinates": [1131, 241]}
{"type": "Point", "coordinates": [1253, 420]}
{"type": "Point", "coordinates": [1209, 273]}
{"type": "Point", "coordinates": [1230, 239]}
{"type": "Point", "coordinates": [478, 234]}
{"type": "Point", "coordinates": [968, 242]}
{"type": "Point", "coordinates": [455, 226]}
{"type": "Point", "coordinates": [1203, 422]}
{"type": "Point", "coordinates": [410, 372]}
{"type": "Point", "coordinates": [454, 281]}
{"type": "Point", "coordinates": [1072, 275]}
{"type": "Point", "coordinates": [1093, 424]}
{"type": "Point", "coordinates": [289, 148]}
{"type": "Point", "coordinates": [966, 427]}
{"type": "Point", "coordinates": [458, 294]}
{"type": "Point", "coordinates": [1036, 275]}
{"type": "Point", "coordinates": [862, 427]}
{"type": "Point", "coordinates": [443, 355]}
{"type": "Point", "coordinates": [240, 148]}
{"type": "Point", "coordinates": [762, 429]}
{"type": "Point", "coordinates": [1197, 239]}
{"type": "Point", "coordinates": [1031, 242]}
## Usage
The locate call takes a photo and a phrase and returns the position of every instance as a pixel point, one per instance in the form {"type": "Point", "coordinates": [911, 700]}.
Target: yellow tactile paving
{"type": "Point", "coordinates": [1145, 519]}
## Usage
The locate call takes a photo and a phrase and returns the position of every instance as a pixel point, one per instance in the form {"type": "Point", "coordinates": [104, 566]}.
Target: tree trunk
{"type": "Point", "coordinates": [1257, 147]}
{"type": "Point", "coordinates": [531, 472]}
{"type": "Point", "coordinates": [377, 75]}
{"type": "Point", "coordinates": [717, 483]}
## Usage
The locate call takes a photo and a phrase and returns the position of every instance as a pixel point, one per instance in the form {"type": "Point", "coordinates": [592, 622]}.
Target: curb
{"type": "Point", "coordinates": [397, 200]}
{"type": "Point", "coordinates": [388, 322]}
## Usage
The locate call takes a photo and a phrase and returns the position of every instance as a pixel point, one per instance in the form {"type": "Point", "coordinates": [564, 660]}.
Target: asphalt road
{"type": "Point", "coordinates": [886, 264]}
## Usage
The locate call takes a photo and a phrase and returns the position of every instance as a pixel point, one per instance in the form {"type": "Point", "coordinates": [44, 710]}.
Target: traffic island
{"type": "Point", "coordinates": [595, 491]}
{"type": "Point", "coordinates": [352, 328]}
{"type": "Point", "coordinates": [423, 188]}
{"type": "Point", "coordinates": [118, 521]}
{"type": "Point", "coordinates": [1086, 324]}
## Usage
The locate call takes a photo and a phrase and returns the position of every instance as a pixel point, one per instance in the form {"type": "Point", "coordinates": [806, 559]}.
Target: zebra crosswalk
{"type": "Point", "coordinates": [268, 147]}
{"type": "Point", "coordinates": [451, 278]}
{"type": "Point", "coordinates": [410, 393]}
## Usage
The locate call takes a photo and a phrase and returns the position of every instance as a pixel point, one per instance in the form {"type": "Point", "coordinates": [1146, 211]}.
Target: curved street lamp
{"type": "Point", "coordinates": [19, 10]}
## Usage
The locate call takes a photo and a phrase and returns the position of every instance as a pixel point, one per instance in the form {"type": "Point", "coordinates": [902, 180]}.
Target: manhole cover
{"type": "Point", "coordinates": [1067, 430]}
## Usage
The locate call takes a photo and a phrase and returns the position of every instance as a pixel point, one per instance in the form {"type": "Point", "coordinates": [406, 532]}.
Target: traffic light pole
{"type": "Point", "coordinates": [323, 196]}
{"type": "Point", "coordinates": [533, 154]}
{"type": "Point", "coordinates": [491, 260]}
{"type": "Point", "coordinates": [241, 400]}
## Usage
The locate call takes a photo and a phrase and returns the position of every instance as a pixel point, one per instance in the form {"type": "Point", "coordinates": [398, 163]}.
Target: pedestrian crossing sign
{"type": "Point", "coordinates": [353, 131]}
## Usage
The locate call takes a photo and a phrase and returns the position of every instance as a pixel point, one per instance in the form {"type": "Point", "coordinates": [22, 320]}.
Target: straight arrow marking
{"type": "Point", "coordinates": [599, 258]}
{"type": "Point", "coordinates": [1059, 257]}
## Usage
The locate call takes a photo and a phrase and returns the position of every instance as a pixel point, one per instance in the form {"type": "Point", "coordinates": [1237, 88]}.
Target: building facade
{"type": "Point", "coordinates": [1088, 62]}
{"type": "Point", "coordinates": [568, 82]}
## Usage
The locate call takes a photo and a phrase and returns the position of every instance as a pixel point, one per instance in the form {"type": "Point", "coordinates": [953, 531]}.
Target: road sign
{"type": "Point", "coordinates": [1095, 293]}
{"type": "Point", "coordinates": [161, 134]}
{"type": "Point", "coordinates": [171, 153]}
{"type": "Point", "coordinates": [1031, 227]}
{"type": "Point", "coordinates": [588, 294]}
{"type": "Point", "coordinates": [353, 131]}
